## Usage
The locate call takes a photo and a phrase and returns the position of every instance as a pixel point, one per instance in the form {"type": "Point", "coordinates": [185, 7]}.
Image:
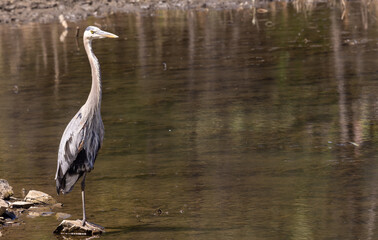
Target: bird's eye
{"type": "Point", "coordinates": [92, 32]}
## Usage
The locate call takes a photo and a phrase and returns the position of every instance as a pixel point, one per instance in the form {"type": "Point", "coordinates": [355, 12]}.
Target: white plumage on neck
{"type": "Point", "coordinates": [94, 98]}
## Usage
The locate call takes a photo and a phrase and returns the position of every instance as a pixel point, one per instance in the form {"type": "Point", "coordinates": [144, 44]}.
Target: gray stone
{"type": "Point", "coordinates": [39, 197]}
{"type": "Point", "coordinates": [5, 189]}
{"type": "Point", "coordinates": [47, 214]}
{"type": "Point", "coordinates": [74, 227]}
{"type": "Point", "coordinates": [21, 204]}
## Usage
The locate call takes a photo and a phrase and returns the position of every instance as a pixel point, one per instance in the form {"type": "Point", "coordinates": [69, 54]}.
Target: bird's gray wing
{"type": "Point", "coordinates": [71, 144]}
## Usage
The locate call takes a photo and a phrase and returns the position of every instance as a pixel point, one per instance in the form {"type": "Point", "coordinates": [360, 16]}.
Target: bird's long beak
{"type": "Point", "coordinates": [106, 34]}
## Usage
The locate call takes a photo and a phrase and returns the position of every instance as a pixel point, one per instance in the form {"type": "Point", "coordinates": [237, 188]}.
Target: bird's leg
{"type": "Point", "coordinates": [83, 198]}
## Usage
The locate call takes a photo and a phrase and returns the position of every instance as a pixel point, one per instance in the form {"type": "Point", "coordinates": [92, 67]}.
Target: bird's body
{"type": "Point", "coordinates": [78, 148]}
{"type": "Point", "coordinates": [84, 134]}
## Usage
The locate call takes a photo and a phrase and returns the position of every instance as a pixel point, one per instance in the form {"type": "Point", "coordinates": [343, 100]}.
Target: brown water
{"type": "Point", "coordinates": [216, 128]}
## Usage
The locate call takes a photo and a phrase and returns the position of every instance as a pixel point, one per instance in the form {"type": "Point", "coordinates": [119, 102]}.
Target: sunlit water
{"type": "Point", "coordinates": [216, 127]}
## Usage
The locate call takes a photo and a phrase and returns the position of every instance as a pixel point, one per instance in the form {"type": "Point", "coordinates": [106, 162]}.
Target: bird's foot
{"type": "Point", "coordinates": [83, 222]}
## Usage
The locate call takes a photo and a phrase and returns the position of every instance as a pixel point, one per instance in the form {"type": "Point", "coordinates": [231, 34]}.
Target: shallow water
{"type": "Point", "coordinates": [216, 128]}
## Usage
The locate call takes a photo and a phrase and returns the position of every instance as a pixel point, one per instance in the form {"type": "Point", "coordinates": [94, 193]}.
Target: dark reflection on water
{"type": "Point", "coordinates": [216, 128]}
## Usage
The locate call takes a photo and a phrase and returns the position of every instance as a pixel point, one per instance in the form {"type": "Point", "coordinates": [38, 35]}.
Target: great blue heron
{"type": "Point", "coordinates": [83, 135]}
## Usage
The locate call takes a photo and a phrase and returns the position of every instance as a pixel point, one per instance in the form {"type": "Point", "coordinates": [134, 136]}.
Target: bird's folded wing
{"type": "Point", "coordinates": [71, 144]}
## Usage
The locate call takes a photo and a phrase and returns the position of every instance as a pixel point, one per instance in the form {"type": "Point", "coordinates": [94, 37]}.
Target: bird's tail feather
{"type": "Point", "coordinates": [66, 184]}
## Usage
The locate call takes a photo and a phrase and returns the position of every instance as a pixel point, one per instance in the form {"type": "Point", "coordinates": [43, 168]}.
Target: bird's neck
{"type": "Point", "coordinates": [94, 98]}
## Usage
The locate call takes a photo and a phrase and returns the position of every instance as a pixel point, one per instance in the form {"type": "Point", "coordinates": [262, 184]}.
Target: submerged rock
{"type": "Point", "coordinates": [62, 216]}
{"type": "Point", "coordinates": [9, 215]}
{"type": "Point", "coordinates": [46, 214]}
{"type": "Point", "coordinates": [75, 227]}
{"type": "Point", "coordinates": [39, 197]}
{"type": "Point", "coordinates": [5, 189]}
{"type": "Point", "coordinates": [40, 209]}
{"type": "Point", "coordinates": [34, 214]}
{"type": "Point", "coordinates": [57, 205]}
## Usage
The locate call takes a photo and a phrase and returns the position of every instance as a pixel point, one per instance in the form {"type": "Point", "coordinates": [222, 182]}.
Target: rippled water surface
{"type": "Point", "coordinates": [218, 125]}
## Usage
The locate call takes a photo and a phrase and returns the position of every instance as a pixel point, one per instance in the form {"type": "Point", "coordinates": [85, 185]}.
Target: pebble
{"type": "Point", "coordinates": [34, 214]}
{"type": "Point", "coordinates": [57, 205]}
{"type": "Point", "coordinates": [62, 216]}
{"type": "Point", "coordinates": [46, 214]}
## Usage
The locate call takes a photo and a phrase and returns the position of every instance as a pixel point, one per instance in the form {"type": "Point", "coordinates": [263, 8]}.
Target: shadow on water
{"type": "Point", "coordinates": [153, 228]}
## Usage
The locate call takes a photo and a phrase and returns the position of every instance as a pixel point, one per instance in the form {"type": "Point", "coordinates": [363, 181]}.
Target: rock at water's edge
{"type": "Point", "coordinates": [21, 204]}
{"type": "Point", "coordinates": [5, 189]}
{"type": "Point", "coordinates": [3, 206]}
{"type": "Point", "coordinates": [39, 197]}
{"type": "Point", "coordinates": [74, 227]}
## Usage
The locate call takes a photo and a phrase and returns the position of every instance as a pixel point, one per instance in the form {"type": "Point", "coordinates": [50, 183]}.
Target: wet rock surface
{"type": "Point", "coordinates": [20, 11]}
{"type": "Point", "coordinates": [75, 227]}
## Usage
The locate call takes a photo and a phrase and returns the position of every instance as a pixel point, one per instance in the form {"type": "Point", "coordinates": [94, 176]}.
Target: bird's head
{"type": "Point", "coordinates": [92, 32]}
